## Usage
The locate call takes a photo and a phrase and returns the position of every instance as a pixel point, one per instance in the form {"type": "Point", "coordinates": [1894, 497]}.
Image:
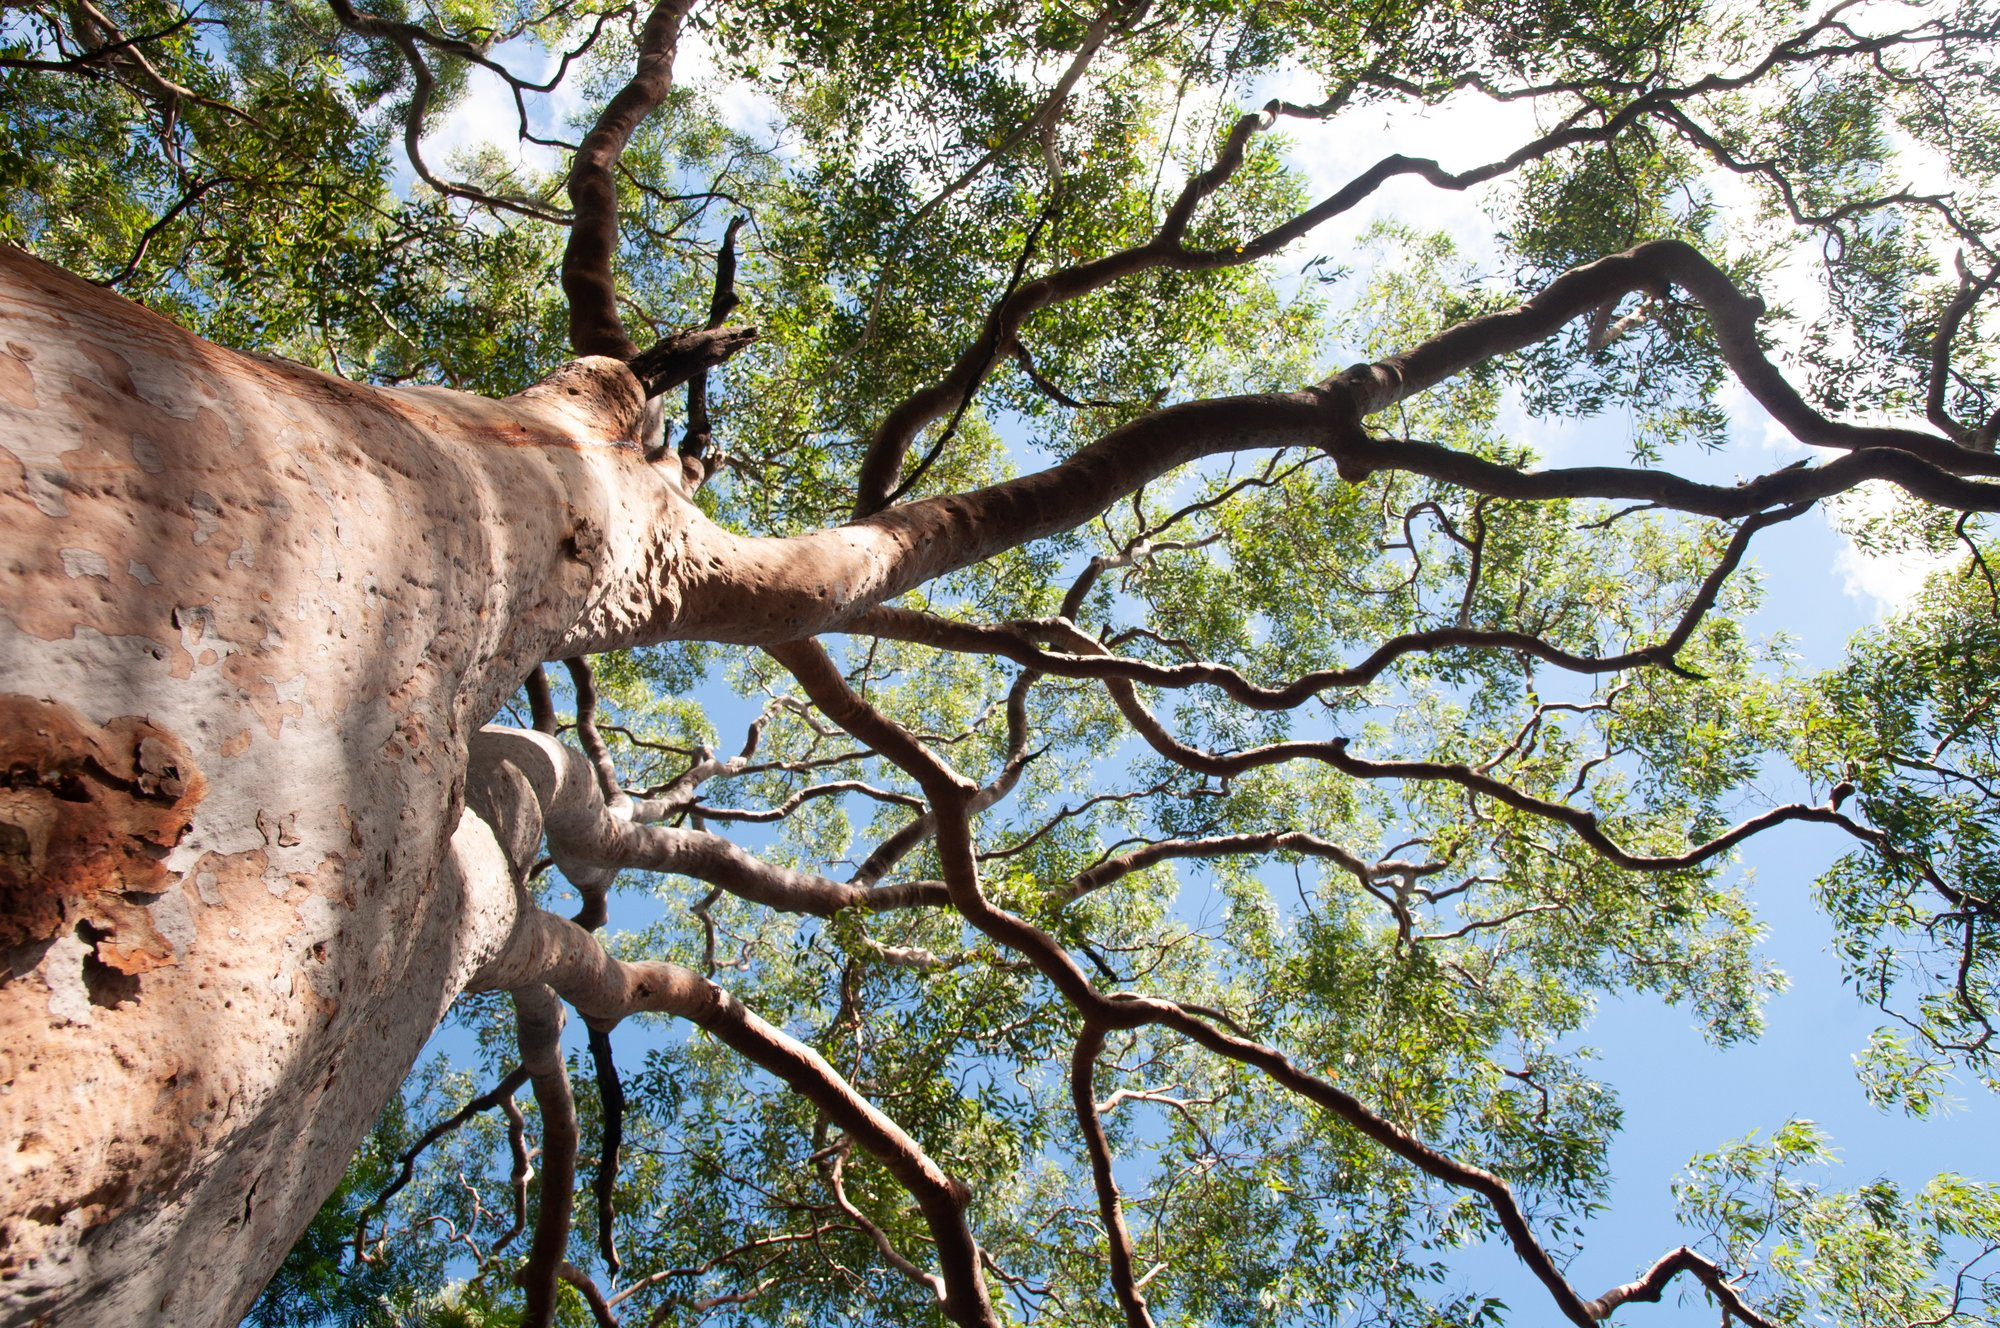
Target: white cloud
{"type": "Point", "coordinates": [487, 116]}
{"type": "Point", "coordinates": [1890, 578]}
{"type": "Point", "coordinates": [742, 106]}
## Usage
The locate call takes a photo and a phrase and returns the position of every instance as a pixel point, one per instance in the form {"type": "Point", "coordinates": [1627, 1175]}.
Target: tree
{"type": "Point", "coordinates": [279, 796]}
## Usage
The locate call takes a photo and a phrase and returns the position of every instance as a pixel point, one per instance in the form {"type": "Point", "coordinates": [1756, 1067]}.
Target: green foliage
{"type": "Point", "coordinates": [1878, 1253]}
{"type": "Point", "coordinates": [1907, 723]}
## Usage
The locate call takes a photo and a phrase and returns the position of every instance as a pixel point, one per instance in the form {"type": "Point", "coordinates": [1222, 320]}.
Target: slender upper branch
{"type": "Point", "coordinates": [1083, 1094]}
{"type": "Point", "coordinates": [1019, 642]}
{"type": "Point", "coordinates": [595, 327]}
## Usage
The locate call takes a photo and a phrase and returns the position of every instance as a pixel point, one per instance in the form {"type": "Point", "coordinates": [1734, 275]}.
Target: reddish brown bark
{"type": "Point", "coordinates": [594, 325]}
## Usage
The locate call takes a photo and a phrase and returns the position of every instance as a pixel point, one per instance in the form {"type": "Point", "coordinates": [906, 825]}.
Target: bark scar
{"type": "Point", "coordinates": [87, 814]}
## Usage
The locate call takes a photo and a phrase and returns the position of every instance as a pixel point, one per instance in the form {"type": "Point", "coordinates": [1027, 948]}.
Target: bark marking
{"type": "Point", "coordinates": [87, 813]}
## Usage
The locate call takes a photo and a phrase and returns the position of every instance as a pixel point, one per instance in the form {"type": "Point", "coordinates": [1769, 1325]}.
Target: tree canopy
{"type": "Point", "coordinates": [1187, 899]}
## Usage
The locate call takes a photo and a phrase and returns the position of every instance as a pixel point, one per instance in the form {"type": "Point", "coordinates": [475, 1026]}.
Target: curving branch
{"type": "Point", "coordinates": [1118, 1240]}
{"type": "Point", "coordinates": [108, 45]}
{"type": "Point", "coordinates": [1650, 1285]}
{"type": "Point", "coordinates": [520, 1172]}
{"type": "Point", "coordinates": [887, 447]}
{"type": "Point", "coordinates": [700, 429]}
{"type": "Point", "coordinates": [1018, 642]}
{"type": "Point", "coordinates": [583, 679]}
{"type": "Point", "coordinates": [1115, 868]}
{"type": "Point", "coordinates": [825, 580]}
{"type": "Point", "coordinates": [409, 41]}
{"type": "Point", "coordinates": [605, 990]}
{"type": "Point", "coordinates": [604, 1185]}
{"type": "Point", "coordinates": [1334, 752]}
{"type": "Point", "coordinates": [587, 838]}
{"type": "Point", "coordinates": [594, 325]}
{"type": "Point", "coordinates": [539, 1018]}
{"type": "Point", "coordinates": [593, 1295]}
{"type": "Point", "coordinates": [832, 1163]}
{"type": "Point", "coordinates": [920, 827]}
{"type": "Point", "coordinates": [949, 793]}
{"type": "Point", "coordinates": [1970, 291]}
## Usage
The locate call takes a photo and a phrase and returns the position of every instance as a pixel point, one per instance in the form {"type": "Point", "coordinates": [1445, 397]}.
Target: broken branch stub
{"type": "Point", "coordinates": [681, 356]}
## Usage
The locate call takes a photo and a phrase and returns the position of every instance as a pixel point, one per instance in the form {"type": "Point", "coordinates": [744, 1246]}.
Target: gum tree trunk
{"type": "Point", "coordinates": [249, 616]}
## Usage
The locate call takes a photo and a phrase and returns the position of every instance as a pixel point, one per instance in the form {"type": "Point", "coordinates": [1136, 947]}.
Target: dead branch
{"type": "Point", "coordinates": [683, 356]}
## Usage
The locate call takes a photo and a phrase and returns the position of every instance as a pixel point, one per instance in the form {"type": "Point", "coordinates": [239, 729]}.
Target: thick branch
{"type": "Point", "coordinates": [586, 837]}
{"type": "Point", "coordinates": [823, 581]}
{"type": "Point", "coordinates": [407, 39]}
{"type": "Point", "coordinates": [685, 356]}
{"type": "Point", "coordinates": [1214, 846]}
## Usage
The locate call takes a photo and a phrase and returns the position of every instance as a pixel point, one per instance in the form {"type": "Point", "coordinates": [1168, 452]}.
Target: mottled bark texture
{"type": "Point", "coordinates": [249, 616]}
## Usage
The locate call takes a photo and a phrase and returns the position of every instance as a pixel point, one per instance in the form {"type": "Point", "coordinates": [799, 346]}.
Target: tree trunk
{"type": "Point", "coordinates": [249, 618]}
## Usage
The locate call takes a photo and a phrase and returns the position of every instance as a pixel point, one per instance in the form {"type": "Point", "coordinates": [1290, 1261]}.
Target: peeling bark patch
{"type": "Point", "coordinates": [114, 369]}
{"type": "Point", "coordinates": [84, 562]}
{"type": "Point", "coordinates": [45, 487]}
{"type": "Point", "coordinates": [87, 812]}
{"type": "Point", "coordinates": [207, 514]}
{"type": "Point", "coordinates": [17, 381]}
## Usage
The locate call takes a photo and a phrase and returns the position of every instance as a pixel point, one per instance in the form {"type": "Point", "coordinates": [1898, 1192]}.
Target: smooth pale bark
{"type": "Point", "coordinates": [249, 616]}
